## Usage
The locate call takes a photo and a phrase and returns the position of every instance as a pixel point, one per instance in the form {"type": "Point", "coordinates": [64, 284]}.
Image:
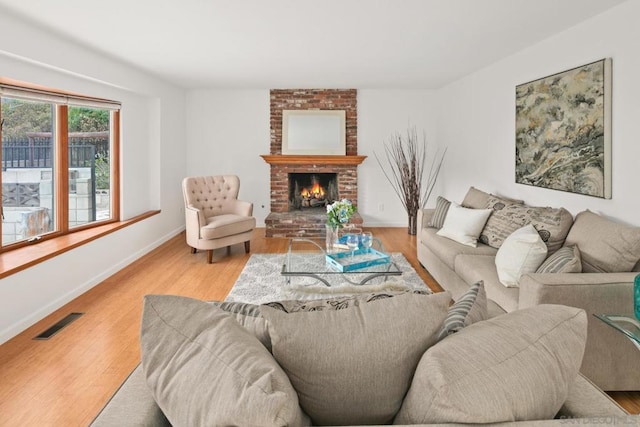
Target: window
{"type": "Point", "coordinates": [59, 161]}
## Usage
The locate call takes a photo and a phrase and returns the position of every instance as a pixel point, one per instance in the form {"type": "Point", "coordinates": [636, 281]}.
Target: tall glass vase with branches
{"type": "Point", "coordinates": [406, 170]}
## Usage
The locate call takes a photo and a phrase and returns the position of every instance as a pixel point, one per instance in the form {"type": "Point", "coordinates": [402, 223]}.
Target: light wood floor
{"type": "Point", "coordinates": [66, 380]}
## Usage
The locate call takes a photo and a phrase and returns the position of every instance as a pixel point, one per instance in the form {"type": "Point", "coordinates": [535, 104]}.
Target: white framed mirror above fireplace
{"type": "Point", "coordinates": [313, 132]}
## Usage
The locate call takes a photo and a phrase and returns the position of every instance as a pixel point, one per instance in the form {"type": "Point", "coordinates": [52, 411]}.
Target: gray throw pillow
{"type": "Point", "coordinates": [250, 317]}
{"type": "Point", "coordinates": [477, 199]}
{"type": "Point", "coordinates": [203, 368]}
{"type": "Point", "coordinates": [516, 366]}
{"type": "Point", "coordinates": [564, 260]}
{"type": "Point", "coordinates": [354, 366]}
{"type": "Point", "coordinates": [470, 308]}
{"type": "Point", "coordinates": [605, 246]}
{"type": "Point", "coordinates": [440, 213]}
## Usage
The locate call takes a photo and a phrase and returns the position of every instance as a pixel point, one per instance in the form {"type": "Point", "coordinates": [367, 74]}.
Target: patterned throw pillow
{"type": "Point", "coordinates": [336, 303]}
{"type": "Point", "coordinates": [442, 207]}
{"type": "Point", "coordinates": [564, 260]}
{"type": "Point", "coordinates": [552, 224]}
{"type": "Point", "coordinates": [471, 307]}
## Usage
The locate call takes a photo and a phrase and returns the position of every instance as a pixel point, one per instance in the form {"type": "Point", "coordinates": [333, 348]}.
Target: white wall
{"type": "Point", "coordinates": [153, 162]}
{"type": "Point", "coordinates": [477, 115]}
{"type": "Point", "coordinates": [228, 130]}
{"type": "Point", "coordinates": [381, 114]}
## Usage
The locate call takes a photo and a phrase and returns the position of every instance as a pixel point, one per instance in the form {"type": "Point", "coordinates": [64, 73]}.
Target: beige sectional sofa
{"type": "Point", "coordinates": [199, 365]}
{"type": "Point", "coordinates": [610, 361]}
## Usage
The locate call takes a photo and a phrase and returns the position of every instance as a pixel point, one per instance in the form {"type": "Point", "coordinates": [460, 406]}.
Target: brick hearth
{"type": "Point", "coordinates": [284, 223]}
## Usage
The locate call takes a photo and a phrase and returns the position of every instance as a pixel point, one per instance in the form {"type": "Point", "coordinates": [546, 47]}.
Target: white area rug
{"type": "Point", "coordinates": [261, 282]}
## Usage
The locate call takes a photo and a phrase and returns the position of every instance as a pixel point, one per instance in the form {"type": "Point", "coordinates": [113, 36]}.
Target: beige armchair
{"type": "Point", "coordinates": [215, 218]}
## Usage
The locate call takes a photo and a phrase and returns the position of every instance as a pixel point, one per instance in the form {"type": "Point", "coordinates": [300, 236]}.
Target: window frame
{"type": "Point", "coordinates": [62, 100]}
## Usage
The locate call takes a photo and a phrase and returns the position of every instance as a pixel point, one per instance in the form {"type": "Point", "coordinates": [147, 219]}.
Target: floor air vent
{"type": "Point", "coordinates": [58, 326]}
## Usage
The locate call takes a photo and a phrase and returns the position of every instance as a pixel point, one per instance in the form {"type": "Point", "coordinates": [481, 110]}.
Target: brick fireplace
{"type": "Point", "coordinates": [286, 219]}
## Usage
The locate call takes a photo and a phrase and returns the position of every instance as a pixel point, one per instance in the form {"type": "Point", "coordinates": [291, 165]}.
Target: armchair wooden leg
{"type": "Point", "coordinates": [247, 246]}
{"type": "Point", "coordinates": [209, 256]}
{"type": "Point", "coordinates": [194, 250]}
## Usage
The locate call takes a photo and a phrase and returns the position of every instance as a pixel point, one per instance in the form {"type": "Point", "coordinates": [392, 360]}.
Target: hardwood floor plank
{"type": "Point", "coordinates": [67, 380]}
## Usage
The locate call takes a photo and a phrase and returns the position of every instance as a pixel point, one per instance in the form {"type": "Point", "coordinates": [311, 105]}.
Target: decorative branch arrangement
{"type": "Point", "coordinates": [406, 161]}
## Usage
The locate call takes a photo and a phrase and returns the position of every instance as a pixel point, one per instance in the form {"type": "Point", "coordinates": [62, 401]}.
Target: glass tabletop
{"type": "Point", "coordinates": [625, 323]}
{"type": "Point", "coordinates": [307, 257]}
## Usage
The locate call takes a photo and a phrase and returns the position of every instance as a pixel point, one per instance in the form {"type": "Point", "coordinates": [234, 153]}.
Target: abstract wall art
{"type": "Point", "coordinates": [563, 131]}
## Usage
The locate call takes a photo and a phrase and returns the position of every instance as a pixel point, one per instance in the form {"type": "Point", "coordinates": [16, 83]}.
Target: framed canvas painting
{"type": "Point", "coordinates": [563, 131]}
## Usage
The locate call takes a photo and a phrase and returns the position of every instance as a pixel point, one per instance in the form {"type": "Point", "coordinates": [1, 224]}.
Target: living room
{"type": "Point", "coordinates": [171, 130]}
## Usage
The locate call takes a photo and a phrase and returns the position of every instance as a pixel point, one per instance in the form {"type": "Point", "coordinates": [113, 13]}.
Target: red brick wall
{"type": "Point", "coordinates": [309, 99]}
{"type": "Point", "coordinates": [315, 99]}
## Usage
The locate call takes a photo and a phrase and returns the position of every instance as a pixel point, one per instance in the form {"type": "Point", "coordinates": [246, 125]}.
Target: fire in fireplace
{"type": "Point", "coordinates": [312, 190]}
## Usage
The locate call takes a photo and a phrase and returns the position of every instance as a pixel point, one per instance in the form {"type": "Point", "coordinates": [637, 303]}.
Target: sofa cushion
{"type": "Point", "coordinates": [354, 366]}
{"type": "Point", "coordinates": [468, 309]}
{"type": "Point", "coordinates": [464, 225]}
{"type": "Point", "coordinates": [472, 268]}
{"type": "Point", "coordinates": [522, 252]}
{"type": "Point", "coordinates": [447, 250]}
{"type": "Point", "coordinates": [564, 260]}
{"type": "Point", "coordinates": [605, 246]}
{"type": "Point", "coordinates": [203, 368]}
{"type": "Point", "coordinates": [552, 224]}
{"type": "Point", "coordinates": [440, 213]}
{"type": "Point", "coordinates": [517, 366]}
{"type": "Point", "coordinates": [477, 199]}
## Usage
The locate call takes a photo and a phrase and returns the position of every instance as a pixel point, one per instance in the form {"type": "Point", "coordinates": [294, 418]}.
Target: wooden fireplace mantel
{"type": "Point", "coordinates": [286, 159]}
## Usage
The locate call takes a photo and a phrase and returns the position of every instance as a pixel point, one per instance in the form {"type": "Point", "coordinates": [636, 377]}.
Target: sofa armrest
{"type": "Point", "coordinates": [610, 359]}
{"type": "Point", "coordinates": [131, 405]}
{"type": "Point", "coordinates": [594, 292]}
{"type": "Point", "coordinates": [586, 400]}
{"type": "Point", "coordinates": [424, 216]}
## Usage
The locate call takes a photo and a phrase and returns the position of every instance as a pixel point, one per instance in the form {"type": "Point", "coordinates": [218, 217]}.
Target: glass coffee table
{"type": "Point", "coordinates": [306, 258]}
{"type": "Point", "coordinates": [624, 323]}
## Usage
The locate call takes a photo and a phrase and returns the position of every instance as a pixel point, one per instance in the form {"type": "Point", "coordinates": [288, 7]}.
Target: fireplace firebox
{"type": "Point", "coordinates": [312, 190]}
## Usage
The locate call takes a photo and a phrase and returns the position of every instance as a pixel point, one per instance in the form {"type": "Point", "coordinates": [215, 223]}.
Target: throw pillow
{"type": "Point", "coordinates": [522, 252]}
{"type": "Point", "coordinates": [203, 368]}
{"type": "Point", "coordinates": [517, 366]}
{"type": "Point", "coordinates": [336, 303]}
{"type": "Point", "coordinates": [477, 199]}
{"type": "Point", "coordinates": [605, 246]}
{"type": "Point", "coordinates": [464, 225]}
{"type": "Point", "coordinates": [470, 308]}
{"type": "Point", "coordinates": [249, 317]}
{"type": "Point", "coordinates": [440, 213]}
{"type": "Point", "coordinates": [564, 260]}
{"type": "Point", "coordinates": [552, 224]}
{"type": "Point", "coordinates": [354, 366]}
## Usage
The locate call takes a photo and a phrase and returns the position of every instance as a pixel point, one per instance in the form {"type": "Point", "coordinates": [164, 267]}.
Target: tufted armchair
{"type": "Point", "coordinates": [214, 216]}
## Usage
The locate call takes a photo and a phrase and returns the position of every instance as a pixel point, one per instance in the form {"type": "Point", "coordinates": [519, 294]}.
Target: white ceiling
{"type": "Point", "coordinates": [308, 44]}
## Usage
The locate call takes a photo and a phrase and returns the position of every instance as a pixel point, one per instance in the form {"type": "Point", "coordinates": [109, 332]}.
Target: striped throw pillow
{"type": "Point", "coordinates": [471, 307]}
{"type": "Point", "coordinates": [442, 207]}
{"type": "Point", "coordinates": [565, 260]}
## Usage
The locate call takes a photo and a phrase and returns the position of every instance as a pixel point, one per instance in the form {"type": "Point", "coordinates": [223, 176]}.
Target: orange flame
{"type": "Point", "coordinates": [316, 191]}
